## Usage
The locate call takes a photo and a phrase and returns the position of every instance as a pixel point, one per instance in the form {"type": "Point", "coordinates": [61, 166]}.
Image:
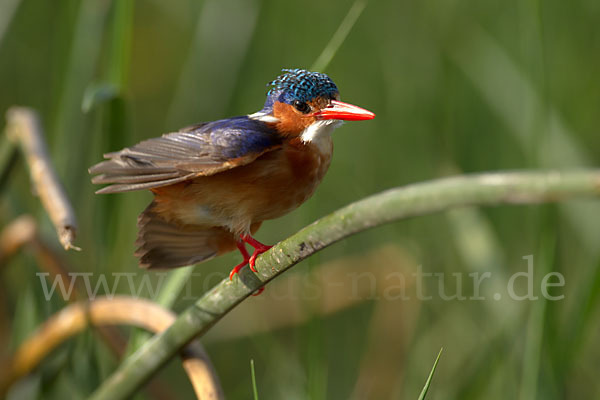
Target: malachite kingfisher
{"type": "Point", "coordinates": [214, 183]}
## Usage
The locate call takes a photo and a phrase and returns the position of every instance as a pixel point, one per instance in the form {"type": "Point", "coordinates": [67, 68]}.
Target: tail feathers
{"type": "Point", "coordinates": [163, 244]}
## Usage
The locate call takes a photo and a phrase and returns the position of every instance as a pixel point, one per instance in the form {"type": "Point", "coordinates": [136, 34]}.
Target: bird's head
{"type": "Point", "coordinates": [306, 104]}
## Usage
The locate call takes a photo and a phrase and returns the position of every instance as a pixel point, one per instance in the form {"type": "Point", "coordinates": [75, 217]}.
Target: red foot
{"type": "Point", "coordinates": [242, 247]}
{"type": "Point", "coordinates": [259, 248]}
{"type": "Point", "coordinates": [259, 291]}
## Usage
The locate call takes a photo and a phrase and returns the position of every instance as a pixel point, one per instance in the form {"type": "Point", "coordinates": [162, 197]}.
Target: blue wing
{"type": "Point", "coordinates": [199, 150]}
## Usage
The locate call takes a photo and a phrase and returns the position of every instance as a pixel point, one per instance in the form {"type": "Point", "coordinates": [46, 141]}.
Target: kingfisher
{"type": "Point", "coordinates": [214, 183]}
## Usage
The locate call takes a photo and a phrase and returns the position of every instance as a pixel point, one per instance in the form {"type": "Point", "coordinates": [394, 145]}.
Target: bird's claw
{"type": "Point", "coordinates": [259, 248]}
{"type": "Point", "coordinates": [258, 291]}
{"type": "Point", "coordinates": [257, 252]}
{"type": "Point", "coordinates": [237, 269]}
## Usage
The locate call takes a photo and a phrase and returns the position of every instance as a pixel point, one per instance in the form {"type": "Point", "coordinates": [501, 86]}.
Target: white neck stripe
{"type": "Point", "coordinates": [263, 117]}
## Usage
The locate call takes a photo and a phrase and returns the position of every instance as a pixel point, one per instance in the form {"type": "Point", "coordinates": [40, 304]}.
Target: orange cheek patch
{"type": "Point", "coordinates": [291, 122]}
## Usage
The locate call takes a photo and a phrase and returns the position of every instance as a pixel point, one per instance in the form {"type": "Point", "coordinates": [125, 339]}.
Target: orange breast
{"type": "Point", "coordinates": [271, 186]}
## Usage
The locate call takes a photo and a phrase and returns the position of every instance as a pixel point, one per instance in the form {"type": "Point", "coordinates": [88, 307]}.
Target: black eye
{"type": "Point", "coordinates": [301, 106]}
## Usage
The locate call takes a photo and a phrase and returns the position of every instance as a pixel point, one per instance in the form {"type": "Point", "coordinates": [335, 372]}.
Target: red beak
{"type": "Point", "coordinates": [345, 112]}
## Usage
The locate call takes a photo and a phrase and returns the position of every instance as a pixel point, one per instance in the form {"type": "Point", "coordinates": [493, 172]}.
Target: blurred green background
{"type": "Point", "coordinates": [457, 86]}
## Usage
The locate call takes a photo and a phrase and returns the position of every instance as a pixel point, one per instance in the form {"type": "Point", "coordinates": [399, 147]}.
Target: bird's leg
{"type": "Point", "coordinates": [259, 248]}
{"type": "Point", "coordinates": [242, 247]}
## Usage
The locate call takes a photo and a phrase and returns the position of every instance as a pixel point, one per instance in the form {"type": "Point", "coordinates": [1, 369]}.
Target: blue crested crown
{"type": "Point", "coordinates": [301, 85]}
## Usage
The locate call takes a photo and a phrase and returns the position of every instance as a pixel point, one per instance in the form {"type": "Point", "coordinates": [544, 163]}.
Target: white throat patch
{"type": "Point", "coordinates": [319, 132]}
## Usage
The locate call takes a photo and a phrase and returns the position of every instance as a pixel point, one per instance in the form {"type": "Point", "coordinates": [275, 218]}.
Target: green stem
{"type": "Point", "coordinates": [339, 36]}
{"type": "Point", "coordinates": [169, 291]}
{"type": "Point", "coordinates": [9, 155]}
{"type": "Point", "coordinates": [391, 205]}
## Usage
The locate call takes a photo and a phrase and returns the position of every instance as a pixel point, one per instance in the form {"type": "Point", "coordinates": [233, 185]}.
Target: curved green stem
{"type": "Point", "coordinates": [391, 205]}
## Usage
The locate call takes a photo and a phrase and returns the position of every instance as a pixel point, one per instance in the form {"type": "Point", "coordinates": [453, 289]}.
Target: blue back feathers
{"type": "Point", "coordinates": [301, 85]}
{"type": "Point", "coordinates": [239, 136]}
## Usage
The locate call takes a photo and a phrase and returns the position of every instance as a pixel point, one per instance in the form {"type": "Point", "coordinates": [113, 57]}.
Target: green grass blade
{"type": "Point", "coordinates": [428, 382]}
{"type": "Point", "coordinates": [67, 122]}
{"type": "Point", "coordinates": [120, 47]}
{"type": "Point", "coordinates": [8, 9]}
{"type": "Point", "coordinates": [9, 155]}
{"type": "Point", "coordinates": [173, 286]}
{"type": "Point", "coordinates": [532, 356]}
{"type": "Point", "coordinates": [167, 294]}
{"type": "Point", "coordinates": [218, 76]}
{"type": "Point", "coordinates": [588, 301]}
{"type": "Point", "coordinates": [254, 388]}
{"type": "Point", "coordinates": [339, 36]}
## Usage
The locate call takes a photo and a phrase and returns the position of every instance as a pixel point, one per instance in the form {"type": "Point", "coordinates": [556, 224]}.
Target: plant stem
{"type": "Point", "coordinates": [391, 205]}
{"type": "Point", "coordinates": [24, 128]}
{"type": "Point", "coordinates": [339, 36]}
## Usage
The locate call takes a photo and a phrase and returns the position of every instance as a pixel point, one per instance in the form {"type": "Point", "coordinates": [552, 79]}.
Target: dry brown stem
{"type": "Point", "coordinates": [23, 127]}
{"type": "Point", "coordinates": [119, 310]}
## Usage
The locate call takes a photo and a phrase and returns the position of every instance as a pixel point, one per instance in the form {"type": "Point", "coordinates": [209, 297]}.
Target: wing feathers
{"type": "Point", "coordinates": [128, 187]}
{"type": "Point", "coordinates": [138, 178]}
{"type": "Point", "coordinates": [200, 150]}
